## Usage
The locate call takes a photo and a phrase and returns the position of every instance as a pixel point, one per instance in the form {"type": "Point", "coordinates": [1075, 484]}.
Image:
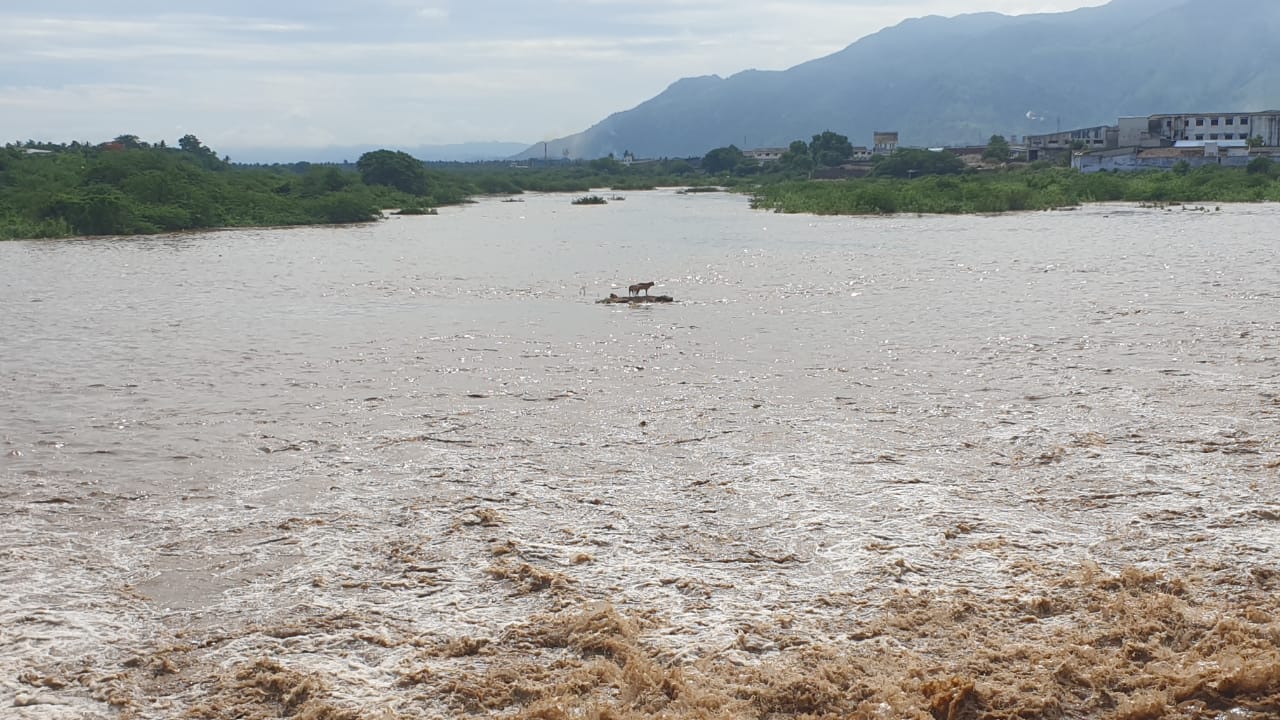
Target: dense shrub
{"type": "Point", "coordinates": [1025, 189]}
{"type": "Point", "coordinates": [85, 190]}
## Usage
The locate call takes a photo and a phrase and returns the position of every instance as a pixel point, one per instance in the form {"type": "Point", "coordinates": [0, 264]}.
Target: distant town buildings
{"type": "Point", "coordinates": [1158, 130]}
{"type": "Point", "coordinates": [884, 143]}
{"type": "Point", "coordinates": [764, 154]}
{"type": "Point", "coordinates": [1102, 136]}
{"type": "Point", "coordinates": [1127, 159]}
{"type": "Point", "coordinates": [1162, 141]}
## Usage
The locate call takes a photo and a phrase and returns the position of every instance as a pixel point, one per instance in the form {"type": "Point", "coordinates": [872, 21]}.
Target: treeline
{"type": "Point", "coordinates": [915, 180]}
{"type": "Point", "coordinates": [128, 187]}
{"type": "Point", "coordinates": [1035, 187]}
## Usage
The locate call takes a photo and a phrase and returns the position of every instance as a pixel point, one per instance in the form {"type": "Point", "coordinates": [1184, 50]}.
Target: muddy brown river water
{"type": "Point", "coordinates": [908, 467]}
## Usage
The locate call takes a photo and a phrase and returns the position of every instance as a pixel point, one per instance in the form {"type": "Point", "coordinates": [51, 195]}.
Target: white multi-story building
{"type": "Point", "coordinates": [765, 154]}
{"type": "Point", "coordinates": [1163, 130]}
{"type": "Point", "coordinates": [1092, 138]}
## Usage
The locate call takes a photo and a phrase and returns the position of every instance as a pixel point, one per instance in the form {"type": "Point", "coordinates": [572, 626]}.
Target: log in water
{"type": "Point", "coordinates": [614, 299]}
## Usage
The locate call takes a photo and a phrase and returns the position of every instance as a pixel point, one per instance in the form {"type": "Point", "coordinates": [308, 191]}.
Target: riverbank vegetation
{"type": "Point", "coordinates": [1030, 188]}
{"type": "Point", "coordinates": [817, 177]}
{"type": "Point", "coordinates": [128, 186]}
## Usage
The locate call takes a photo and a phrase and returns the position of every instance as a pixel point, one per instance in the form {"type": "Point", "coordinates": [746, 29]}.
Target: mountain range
{"type": "Point", "coordinates": [458, 152]}
{"type": "Point", "coordinates": [958, 80]}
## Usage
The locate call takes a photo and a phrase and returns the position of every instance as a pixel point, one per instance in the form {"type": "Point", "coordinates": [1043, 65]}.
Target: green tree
{"type": "Point", "coordinates": [679, 166]}
{"type": "Point", "coordinates": [1260, 165]}
{"type": "Point", "coordinates": [997, 149]}
{"type": "Point", "coordinates": [208, 158]}
{"type": "Point", "coordinates": [722, 159]}
{"type": "Point", "coordinates": [1256, 141]}
{"type": "Point", "coordinates": [191, 144]}
{"type": "Point", "coordinates": [797, 157]}
{"type": "Point", "coordinates": [343, 208]}
{"type": "Point", "coordinates": [606, 165]}
{"type": "Point", "coordinates": [395, 169]}
{"type": "Point", "coordinates": [94, 210]}
{"type": "Point", "coordinates": [748, 166]}
{"type": "Point", "coordinates": [913, 162]}
{"type": "Point", "coordinates": [322, 180]}
{"type": "Point", "coordinates": [830, 149]}
{"type": "Point", "coordinates": [130, 142]}
{"type": "Point", "coordinates": [81, 190]}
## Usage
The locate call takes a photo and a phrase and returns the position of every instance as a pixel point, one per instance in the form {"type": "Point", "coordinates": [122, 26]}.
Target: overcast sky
{"type": "Point", "coordinates": [314, 73]}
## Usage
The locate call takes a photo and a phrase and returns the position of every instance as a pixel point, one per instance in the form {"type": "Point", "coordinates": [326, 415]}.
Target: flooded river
{"type": "Point", "coordinates": [906, 467]}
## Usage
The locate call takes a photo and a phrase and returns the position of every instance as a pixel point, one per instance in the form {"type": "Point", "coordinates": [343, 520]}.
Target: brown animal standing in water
{"type": "Point", "coordinates": [635, 289]}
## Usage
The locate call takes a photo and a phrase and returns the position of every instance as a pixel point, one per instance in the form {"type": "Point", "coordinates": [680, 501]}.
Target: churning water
{"type": "Point", "coordinates": [934, 467]}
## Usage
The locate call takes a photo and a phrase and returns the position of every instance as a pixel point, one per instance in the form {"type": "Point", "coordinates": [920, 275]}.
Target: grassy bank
{"type": "Point", "coordinates": [1028, 189]}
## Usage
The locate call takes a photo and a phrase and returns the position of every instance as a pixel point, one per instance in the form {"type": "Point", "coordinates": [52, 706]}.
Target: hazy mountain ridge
{"type": "Point", "coordinates": [456, 152]}
{"type": "Point", "coordinates": [958, 80]}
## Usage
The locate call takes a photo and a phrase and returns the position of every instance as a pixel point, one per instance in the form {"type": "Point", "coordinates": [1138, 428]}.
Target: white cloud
{"type": "Point", "coordinates": [433, 13]}
{"type": "Point", "coordinates": [246, 73]}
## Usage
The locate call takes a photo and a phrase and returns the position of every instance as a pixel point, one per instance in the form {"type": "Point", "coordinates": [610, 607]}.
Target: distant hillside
{"type": "Point", "coordinates": [461, 152]}
{"type": "Point", "coordinates": [959, 80]}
